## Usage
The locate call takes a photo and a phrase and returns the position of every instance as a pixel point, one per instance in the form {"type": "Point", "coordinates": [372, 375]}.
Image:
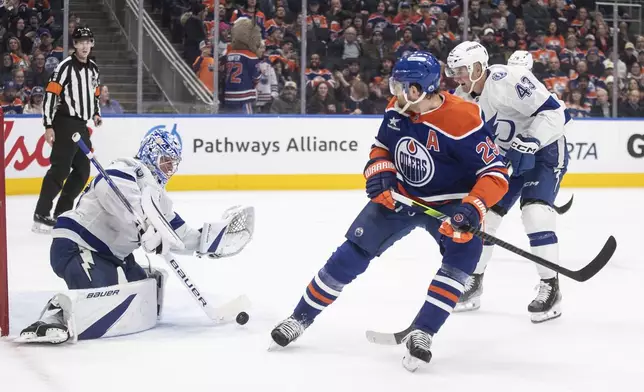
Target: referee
{"type": "Point", "coordinates": [71, 99]}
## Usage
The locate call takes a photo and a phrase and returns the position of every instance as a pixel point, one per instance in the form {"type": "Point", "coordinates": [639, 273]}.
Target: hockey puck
{"type": "Point", "coordinates": [242, 318]}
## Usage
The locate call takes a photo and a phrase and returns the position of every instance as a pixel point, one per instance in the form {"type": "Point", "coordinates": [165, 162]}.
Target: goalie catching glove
{"type": "Point", "coordinates": [230, 235]}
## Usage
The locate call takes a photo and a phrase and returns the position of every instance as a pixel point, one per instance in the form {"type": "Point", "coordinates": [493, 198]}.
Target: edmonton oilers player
{"type": "Point", "coordinates": [435, 148]}
{"type": "Point", "coordinates": [93, 244]}
{"type": "Point", "coordinates": [529, 123]}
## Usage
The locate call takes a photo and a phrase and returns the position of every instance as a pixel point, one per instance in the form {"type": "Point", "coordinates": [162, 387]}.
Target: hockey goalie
{"type": "Point", "coordinates": [110, 294]}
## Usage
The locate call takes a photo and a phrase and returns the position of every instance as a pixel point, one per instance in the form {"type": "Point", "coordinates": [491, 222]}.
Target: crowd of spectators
{"type": "Point", "coordinates": [31, 47]}
{"type": "Point", "coordinates": [353, 44]}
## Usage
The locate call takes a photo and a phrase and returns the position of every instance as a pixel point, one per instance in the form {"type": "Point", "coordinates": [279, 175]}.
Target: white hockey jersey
{"type": "Point", "coordinates": [101, 223]}
{"type": "Point", "coordinates": [514, 103]}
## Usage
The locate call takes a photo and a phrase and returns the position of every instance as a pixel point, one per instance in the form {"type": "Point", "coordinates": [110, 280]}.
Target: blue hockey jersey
{"type": "Point", "coordinates": [444, 154]}
{"type": "Point", "coordinates": [242, 74]}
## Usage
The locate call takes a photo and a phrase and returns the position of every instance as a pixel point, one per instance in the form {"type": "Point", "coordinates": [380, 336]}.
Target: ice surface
{"type": "Point", "coordinates": [597, 345]}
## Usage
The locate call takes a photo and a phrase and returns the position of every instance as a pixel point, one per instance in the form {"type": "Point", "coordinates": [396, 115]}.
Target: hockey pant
{"type": "Point", "coordinates": [376, 229]}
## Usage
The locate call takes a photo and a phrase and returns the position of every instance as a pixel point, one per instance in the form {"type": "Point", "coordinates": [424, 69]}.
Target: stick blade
{"type": "Point", "coordinates": [228, 312]}
{"type": "Point", "coordinates": [564, 208]}
{"type": "Point", "coordinates": [387, 338]}
{"type": "Point", "coordinates": [599, 261]}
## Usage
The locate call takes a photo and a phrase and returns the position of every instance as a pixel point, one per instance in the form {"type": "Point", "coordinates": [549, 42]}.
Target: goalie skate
{"type": "Point", "coordinates": [547, 304]}
{"type": "Point", "coordinates": [40, 332]}
{"type": "Point", "coordinates": [55, 325]}
{"type": "Point", "coordinates": [418, 344]}
{"type": "Point", "coordinates": [471, 298]}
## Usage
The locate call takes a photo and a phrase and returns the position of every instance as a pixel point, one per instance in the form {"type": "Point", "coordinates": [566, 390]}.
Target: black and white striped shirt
{"type": "Point", "coordinates": [73, 90]}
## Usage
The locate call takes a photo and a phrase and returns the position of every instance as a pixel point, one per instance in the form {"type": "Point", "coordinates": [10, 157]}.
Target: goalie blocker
{"type": "Point", "coordinates": [126, 302]}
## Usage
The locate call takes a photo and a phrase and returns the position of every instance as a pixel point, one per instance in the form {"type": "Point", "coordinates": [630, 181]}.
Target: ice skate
{"type": "Point", "coordinates": [286, 332]}
{"type": "Point", "coordinates": [42, 224]}
{"type": "Point", "coordinates": [418, 344]}
{"type": "Point", "coordinates": [471, 298]}
{"type": "Point", "coordinates": [547, 305]}
{"type": "Point", "coordinates": [52, 325]}
{"type": "Point", "coordinates": [40, 332]}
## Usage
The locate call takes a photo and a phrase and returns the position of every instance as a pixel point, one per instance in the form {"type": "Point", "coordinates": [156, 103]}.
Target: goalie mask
{"type": "Point", "coordinates": [160, 151]}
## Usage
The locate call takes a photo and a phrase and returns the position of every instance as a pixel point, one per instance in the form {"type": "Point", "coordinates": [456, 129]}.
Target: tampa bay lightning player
{"type": "Point", "coordinates": [530, 124]}
{"type": "Point", "coordinates": [434, 148]}
{"type": "Point", "coordinates": [110, 294]}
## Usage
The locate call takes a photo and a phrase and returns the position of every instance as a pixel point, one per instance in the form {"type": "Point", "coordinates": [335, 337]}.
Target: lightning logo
{"type": "Point", "coordinates": [87, 263]}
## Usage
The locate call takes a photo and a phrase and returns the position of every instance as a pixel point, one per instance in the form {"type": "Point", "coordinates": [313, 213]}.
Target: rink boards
{"type": "Point", "coordinates": [299, 153]}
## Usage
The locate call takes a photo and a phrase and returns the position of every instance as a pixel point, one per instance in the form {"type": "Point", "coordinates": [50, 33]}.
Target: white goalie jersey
{"type": "Point", "coordinates": [515, 103]}
{"type": "Point", "coordinates": [102, 224]}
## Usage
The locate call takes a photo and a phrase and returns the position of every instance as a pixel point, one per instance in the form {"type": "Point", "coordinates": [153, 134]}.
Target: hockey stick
{"type": "Point", "coordinates": [564, 208]}
{"type": "Point", "coordinates": [581, 275]}
{"type": "Point", "coordinates": [219, 314]}
{"type": "Point", "coordinates": [388, 338]}
{"type": "Point", "coordinates": [395, 338]}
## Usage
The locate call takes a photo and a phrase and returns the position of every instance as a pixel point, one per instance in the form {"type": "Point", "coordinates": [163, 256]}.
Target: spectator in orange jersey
{"type": "Point", "coordinates": [19, 58]}
{"type": "Point", "coordinates": [540, 53]}
{"type": "Point", "coordinates": [204, 66]}
{"type": "Point", "coordinates": [554, 40]}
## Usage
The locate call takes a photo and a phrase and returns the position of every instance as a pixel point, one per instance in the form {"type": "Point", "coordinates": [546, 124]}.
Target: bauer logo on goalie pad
{"type": "Point", "coordinates": [99, 294]}
{"type": "Point", "coordinates": [414, 162]}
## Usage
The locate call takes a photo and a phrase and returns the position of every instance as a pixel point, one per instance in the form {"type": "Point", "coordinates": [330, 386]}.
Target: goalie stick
{"type": "Point", "coordinates": [224, 313]}
{"type": "Point", "coordinates": [581, 275]}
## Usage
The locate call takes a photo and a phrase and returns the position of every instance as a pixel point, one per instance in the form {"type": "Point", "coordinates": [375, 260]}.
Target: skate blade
{"type": "Point", "coordinates": [274, 347]}
{"type": "Point", "coordinates": [411, 363]}
{"type": "Point", "coordinates": [468, 306]}
{"type": "Point", "coordinates": [40, 228]}
{"type": "Point", "coordinates": [551, 314]}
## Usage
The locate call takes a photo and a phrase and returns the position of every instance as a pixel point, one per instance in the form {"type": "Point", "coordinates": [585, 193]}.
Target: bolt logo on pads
{"type": "Point", "coordinates": [413, 162]}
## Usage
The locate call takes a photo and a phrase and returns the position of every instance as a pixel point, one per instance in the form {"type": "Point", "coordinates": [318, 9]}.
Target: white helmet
{"type": "Point", "coordinates": [466, 54]}
{"type": "Point", "coordinates": [521, 58]}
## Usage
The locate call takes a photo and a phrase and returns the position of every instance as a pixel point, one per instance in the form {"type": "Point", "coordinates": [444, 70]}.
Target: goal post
{"type": "Point", "coordinates": [4, 281]}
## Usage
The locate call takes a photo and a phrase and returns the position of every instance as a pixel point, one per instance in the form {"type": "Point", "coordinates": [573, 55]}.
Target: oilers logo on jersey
{"type": "Point", "coordinates": [414, 162]}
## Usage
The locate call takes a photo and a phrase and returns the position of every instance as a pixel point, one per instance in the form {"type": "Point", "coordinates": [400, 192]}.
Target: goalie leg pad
{"type": "Point", "coordinates": [115, 310]}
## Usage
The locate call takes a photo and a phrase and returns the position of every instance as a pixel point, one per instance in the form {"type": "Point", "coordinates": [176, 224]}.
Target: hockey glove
{"type": "Point", "coordinates": [521, 154]}
{"type": "Point", "coordinates": [381, 179]}
{"type": "Point", "coordinates": [467, 215]}
{"type": "Point", "coordinates": [153, 242]}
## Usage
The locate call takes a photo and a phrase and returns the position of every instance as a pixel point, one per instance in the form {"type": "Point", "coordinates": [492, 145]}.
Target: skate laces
{"type": "Point", "coordinates": [469, 283]}
{"type": "Point", "coordinates": [291, 328]}
{"type": "Point", "coordinates": [419, 339]}
{"type": "Point", "coordinates": [544, 291]}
